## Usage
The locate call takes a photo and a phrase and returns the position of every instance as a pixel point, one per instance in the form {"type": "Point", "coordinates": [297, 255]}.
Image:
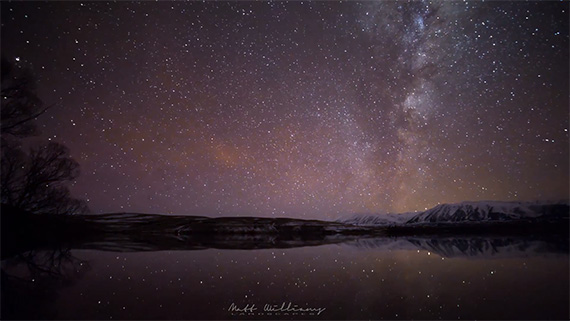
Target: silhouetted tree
{"type": "Point", "coordinates": [20, 104]}
{"type": "Point", "coordinates": [34, 181]}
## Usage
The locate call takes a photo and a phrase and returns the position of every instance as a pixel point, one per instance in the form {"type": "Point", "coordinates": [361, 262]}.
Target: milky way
{"type": "Point", "coordinates": [299, 109]}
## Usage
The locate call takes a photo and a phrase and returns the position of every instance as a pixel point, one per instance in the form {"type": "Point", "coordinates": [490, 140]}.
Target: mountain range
{"type": "Point", "coordinates": [468, 213]}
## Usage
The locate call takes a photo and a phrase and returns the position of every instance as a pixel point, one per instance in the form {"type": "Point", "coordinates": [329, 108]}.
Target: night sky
{"type": "Point", "coordinates": [301, 109]}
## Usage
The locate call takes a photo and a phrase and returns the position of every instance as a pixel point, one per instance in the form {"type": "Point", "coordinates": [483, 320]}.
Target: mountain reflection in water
{"type": "Point", "coordinates": [352, 278]}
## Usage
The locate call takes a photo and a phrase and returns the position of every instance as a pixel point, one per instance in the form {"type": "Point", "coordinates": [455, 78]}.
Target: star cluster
{"type": "Point", "coordinates": [301, 109]}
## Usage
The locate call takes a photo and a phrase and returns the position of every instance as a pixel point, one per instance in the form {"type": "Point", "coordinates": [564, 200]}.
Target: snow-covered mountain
{"type": "Point", "coordinates": [488, 211]}
{"type": "Point", "coordinates": [467, 212]}
{"type": "Point", "coordinates": [388, 219]}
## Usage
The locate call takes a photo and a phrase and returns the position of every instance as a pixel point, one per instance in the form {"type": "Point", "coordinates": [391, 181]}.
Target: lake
{"type": "Point", "coordinates": [376, 278]}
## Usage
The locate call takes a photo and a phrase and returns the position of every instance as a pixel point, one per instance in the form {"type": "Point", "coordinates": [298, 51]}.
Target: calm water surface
{"type": "Point", "coordinates": [377, 279]}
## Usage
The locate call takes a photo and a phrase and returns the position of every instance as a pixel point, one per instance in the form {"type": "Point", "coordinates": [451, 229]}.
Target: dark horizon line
{"type": "Point", "coordinates": [558, 201]}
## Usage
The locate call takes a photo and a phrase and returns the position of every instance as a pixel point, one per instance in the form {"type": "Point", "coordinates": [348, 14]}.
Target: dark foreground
{"type": "Point", "coordinates": [23, 231]}
{"type": "Point", "coordinates": [391, 278]}
{"type": "Point", "coordinates": [132, 266]}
